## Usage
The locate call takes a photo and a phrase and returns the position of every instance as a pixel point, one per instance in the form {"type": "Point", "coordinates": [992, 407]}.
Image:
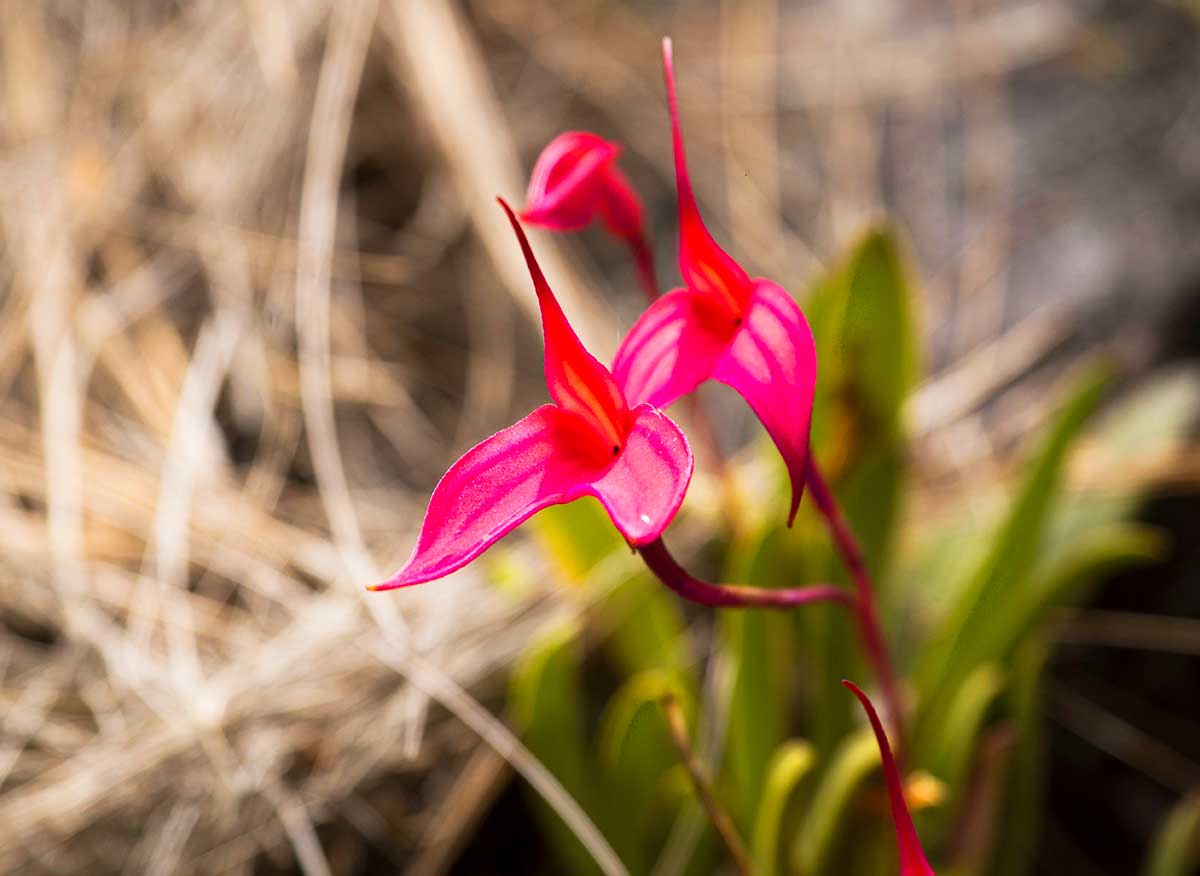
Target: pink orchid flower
{"type": "Point", "coordinates": [574, 180]}
{"type": "Point", "coordinates": [912, 856]}
{"type": "Point", "coordinates": [590, 442]}
{"type": "Point", "coordinates": [724, 326]}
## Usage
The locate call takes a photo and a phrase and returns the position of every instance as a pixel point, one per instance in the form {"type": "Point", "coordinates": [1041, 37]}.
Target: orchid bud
{"type": "Point", "coordinates": [574, 180]}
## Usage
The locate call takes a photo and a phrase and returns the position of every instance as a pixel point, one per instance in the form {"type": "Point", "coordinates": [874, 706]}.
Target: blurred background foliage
{"type": "Point", "coordinates": [255, 295]}
{"type": "Point", "coordinates": [972, 607]}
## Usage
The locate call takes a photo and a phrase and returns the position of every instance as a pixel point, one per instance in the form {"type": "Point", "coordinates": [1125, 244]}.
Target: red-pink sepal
{"type": "Point", "coordinates": [574, 180]}
{"type": "Point", "coordinates": [912, 857]}
{"type": "Point", "coordinates": [505, 479]}
{"type": "Point", "coordinates": [769, 358]}
{"type": "Point", "coordinates": [706, 268]}
{"type": "Point", "coordinates": [636, 462]}
{"type": "Point", "coordinates": [576, 380]}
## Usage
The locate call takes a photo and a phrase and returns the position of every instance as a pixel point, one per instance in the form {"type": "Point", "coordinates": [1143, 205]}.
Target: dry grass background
{"type": "Point", "coordinates": [255, 293]}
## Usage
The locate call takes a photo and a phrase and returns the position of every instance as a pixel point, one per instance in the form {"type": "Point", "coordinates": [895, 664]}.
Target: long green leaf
{"type": "Point", "coordinates": [635, 752]}
{"type": "Point", "coordinates": [862, 319]}
{"type": "Point", "coordinates": [954, 747]}
{"type": "Point", "coordinates": [758, 646]}
{"type": "Point", "coordinates": [1023, 805]}
{"type": "Point", "coordinates": [1004, 576]}
{"type": "Point", "coordinates": [1175, 849]}
{"type": "Point", "coordinates": [792, 762]}
{"type": "Point", "coordinates": [862, 315]}
{"type": "Point", "coordinates": [830, 807]}
{"type": "Point", "coordinates": [546, 705]}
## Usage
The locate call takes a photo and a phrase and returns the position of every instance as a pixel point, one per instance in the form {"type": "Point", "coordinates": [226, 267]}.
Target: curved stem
{"type": "Point", "coordinates": [865, 611]}
{"type": "Point", "coordinates": [665, 566]}
{"type": "Point", "coordinates": [720, 819]}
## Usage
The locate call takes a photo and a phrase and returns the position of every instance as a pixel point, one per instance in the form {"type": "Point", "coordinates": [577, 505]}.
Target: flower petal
{"type": "Point", "coordinates": [772, 362]}
{"type": "Point", "coordinates": [567, 181]}
{"type": "Point", "coordinates": [671, 349]}
{"type": "Point", "coordinates": [912, 856]}
{"type": "Point", "coordinates": [707, 269]}
{"type": "Point", "coordinates": [577, 381]}
{"type": "Point", "coordinates": [492, 489]}
{"type": "Point", "coordinates": [645, 485]}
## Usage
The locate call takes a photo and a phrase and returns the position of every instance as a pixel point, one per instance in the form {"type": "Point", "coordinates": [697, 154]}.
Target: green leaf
{"type": "Point", "coordinates": [546, 705]}
{"type": "Point", "coordinates": [790, 764]}
{"type": "Point", "coordinates": [636, 752]}
{"type": "Point", "coordinates": [862, 321]}
{"type": "Point", "coordinates": [1005, 573]}
{"type": "Point", "coordinates": [758, 647]}
{"type": "Point", "coordinates": [575, 536]}
{"type": "Point", "coordinates": [1066, 577]}
{"type": "Point", "coordinates": [644, 627]}
{"type": "Point", "coordinates": [830, 806]}
{"type": "Point", "coordinates": [952, 750]}
{"type": "Point", "coordinates": [1023, 804]}
{"type": "Point", "coordinates": [643, 620]}
{"type": "Point", "coordinates": [1175, 849]}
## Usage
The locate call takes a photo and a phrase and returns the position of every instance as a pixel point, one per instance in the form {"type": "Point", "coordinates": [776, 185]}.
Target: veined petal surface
{"type": "Point", "coordinates": [771, 361]}
{"type": "Point", "coordinates": [492, 489]}
{"type": "Point", "coordinates": [645, 485]}
{"type": "Point", "coordinates": [671, 349]}
{"type": "Point", "coordinates": [567, 181]}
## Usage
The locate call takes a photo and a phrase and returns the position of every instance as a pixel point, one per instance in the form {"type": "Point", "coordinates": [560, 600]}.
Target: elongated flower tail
{"type": "Point", "coordinates": [912, 856]}
{"type": "Point", "coordinates": [707, 269]}
{"type": "Point", "coordinates": [577, 381]}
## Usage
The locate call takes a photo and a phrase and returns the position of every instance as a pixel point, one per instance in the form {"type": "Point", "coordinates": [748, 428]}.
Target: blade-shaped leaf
{"type": "Point", "coordinates": [790, 764]}
{"type": "Point", "coordinates": [1005, 574]}
{"type": "Point", "coordinates": [831, 803]}
{"type": "Point", "coordinates": [758, 645]}
{"type": "Point", "coordinates": [1024, 792]}
{"type": "Point", "coordinates": [546, 705]}
{"type": "Point", "coordinates": [635, 753]}
{"type": "Point", "coordinates": [1175, 849]}
{"type": "Point", "coordinates": [862, 318]}
{"type": "Point", "coordinates": [952, 750]}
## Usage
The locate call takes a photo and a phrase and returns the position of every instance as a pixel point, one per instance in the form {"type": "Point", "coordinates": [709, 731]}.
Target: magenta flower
{"type": "Point", "coordinates": [576, 179]}
{"type": "Point", "coordinates": [590, 442]}
{"type": "Point", "coordinates": [724, 326]}
{"type": "Point", "coordinates": [912, 856]}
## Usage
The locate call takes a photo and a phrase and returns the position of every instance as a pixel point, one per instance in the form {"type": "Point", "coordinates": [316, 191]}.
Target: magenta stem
{"type": "Point", "coordinates": [662, 564]}
{"type": "Point", "coordinates": [864, 605]}
{"type": "Point", "coordinates": [643, 257]}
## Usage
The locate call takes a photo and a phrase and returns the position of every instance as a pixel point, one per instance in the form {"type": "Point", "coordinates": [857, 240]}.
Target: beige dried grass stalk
{"type": "Point", "coordinates": [192, 675]}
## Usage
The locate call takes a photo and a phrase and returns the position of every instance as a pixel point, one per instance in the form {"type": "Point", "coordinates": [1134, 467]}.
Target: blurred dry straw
{"type": "Point", "coordinates": [191, 360]}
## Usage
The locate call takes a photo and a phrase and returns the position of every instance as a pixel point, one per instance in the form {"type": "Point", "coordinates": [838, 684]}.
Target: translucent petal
{"type": "Point", "coordinates": [772, 363]}
{"type": "Point", "coordinates": [671, 349]}
{"type": "Point", "coordinates": [644, 486]}
{"type": "Point", "coordinates": [492, 489]}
